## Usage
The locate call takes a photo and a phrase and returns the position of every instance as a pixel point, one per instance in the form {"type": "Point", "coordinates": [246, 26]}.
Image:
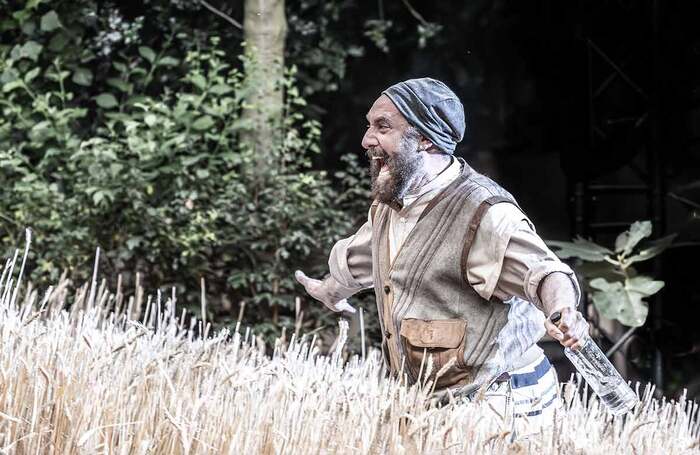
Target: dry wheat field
{"type": "Point", "coordinates": [111, 375]}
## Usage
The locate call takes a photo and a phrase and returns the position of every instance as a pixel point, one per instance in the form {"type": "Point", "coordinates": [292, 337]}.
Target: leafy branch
{"type": "Point", "coordinates": [617, 290]}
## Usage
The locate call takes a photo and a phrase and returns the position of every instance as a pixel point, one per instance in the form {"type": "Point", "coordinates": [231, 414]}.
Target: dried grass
{"type": "Point", "coordinates": [91, 379]}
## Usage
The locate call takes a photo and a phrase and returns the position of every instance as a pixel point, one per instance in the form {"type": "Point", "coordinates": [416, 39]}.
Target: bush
{"type": "Point", "coordinates": [142, 157]}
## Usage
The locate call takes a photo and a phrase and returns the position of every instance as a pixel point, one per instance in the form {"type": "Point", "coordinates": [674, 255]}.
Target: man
{"type": "Point", "coordinates": [460, 276]}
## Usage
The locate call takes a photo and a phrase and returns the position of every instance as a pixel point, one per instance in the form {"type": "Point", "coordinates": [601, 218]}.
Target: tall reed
{"type": "Point", "coordinates": [117, 376]}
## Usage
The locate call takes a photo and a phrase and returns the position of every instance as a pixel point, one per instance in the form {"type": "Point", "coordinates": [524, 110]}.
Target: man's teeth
{"type": "Point", "coordinates": [382, 164]}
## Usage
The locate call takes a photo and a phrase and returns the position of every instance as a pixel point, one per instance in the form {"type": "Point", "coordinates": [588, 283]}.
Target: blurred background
{"type": "Point", "coordinates": [214, 147]}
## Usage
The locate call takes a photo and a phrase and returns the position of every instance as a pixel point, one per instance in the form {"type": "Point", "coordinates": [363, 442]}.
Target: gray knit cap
{"type": "Point", "coordinates": [432, 108]}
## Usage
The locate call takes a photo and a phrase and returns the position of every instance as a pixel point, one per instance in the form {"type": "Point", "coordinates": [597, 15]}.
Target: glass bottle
{"type": "Point", "coordinates": [600, 374]}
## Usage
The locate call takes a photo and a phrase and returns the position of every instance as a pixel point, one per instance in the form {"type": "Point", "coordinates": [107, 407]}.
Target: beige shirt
{"type": "Point", "coordinates": [507, 259]}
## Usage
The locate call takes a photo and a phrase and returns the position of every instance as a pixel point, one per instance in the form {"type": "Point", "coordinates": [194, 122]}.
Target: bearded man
{"type": "Point", "coordinates": [459, 273]}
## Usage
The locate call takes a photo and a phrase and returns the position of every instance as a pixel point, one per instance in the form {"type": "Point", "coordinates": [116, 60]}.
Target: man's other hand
{"type": "Point", "coordinates": [325, 291]}
{"type": "Point", "coordinates": [570, 330]}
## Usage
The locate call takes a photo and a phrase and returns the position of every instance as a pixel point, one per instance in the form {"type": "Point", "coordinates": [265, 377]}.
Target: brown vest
{"type": "Point", "coordinates": [427, 307]}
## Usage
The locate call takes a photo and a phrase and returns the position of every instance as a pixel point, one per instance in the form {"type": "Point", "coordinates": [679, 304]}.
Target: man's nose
{"type": "Point", "coordinates": [369, 140]}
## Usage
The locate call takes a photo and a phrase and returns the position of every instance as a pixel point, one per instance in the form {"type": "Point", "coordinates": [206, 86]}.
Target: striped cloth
{"type": "Point", "coordinates": [527, 399]}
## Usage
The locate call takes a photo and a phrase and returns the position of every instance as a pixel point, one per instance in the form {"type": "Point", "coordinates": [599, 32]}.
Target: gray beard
{"type": "Point", "coordinates": [404, 169]}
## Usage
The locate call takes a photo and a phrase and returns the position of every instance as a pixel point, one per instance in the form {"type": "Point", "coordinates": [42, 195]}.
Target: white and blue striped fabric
{"type": "Point", "coordinates": [534, 389]}
{"type": "Point", "coordinates": [528, 398]}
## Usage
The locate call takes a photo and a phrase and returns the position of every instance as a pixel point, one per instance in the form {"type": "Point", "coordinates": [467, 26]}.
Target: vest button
{"type": "Point", "coordinates": [387, 289]}
{"type": "Point", "coordinates": [387, 334]}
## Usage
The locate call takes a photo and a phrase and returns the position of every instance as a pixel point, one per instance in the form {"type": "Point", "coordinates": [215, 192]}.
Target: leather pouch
{"type": "Point", "coordinates": [442, 339]}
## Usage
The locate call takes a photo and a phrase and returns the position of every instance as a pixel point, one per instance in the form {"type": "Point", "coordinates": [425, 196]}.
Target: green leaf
{"type": "Point", "coordinates": [9, 75]}
{"type": "Point", "coordinates": [137, 100]}
{"type": "Point", "coordinates": [356, 51]}
{"type": "Point", "coordinates": [190, 160]}
{"type": "Point", "coordinates": [644, 285]}
{"type": "Point", "coordinates": [203, 123]}
{"type": "Point", "coordinates": [58, 41]}
{"type": "Point", "coordinates": [119, 66]}
{"type": "Point", "coordinates": [602, 269]}
{"type": "Point", "coordinates": [623, 301]}
{"type": "Point", "coordinates": [626, 241]}
{"type": "Point", "coordinates": [30, 50]}
{"type": "Point", "coordinates": [82, 76]}
{"type": "Point", "coordinates": [150, 119]}
{"type": "Point", "coordinates": [119, 84]}
{"type": "Point", "coordinates": [653, 249]}
{"type": "Point", "coordinates": [221, 89]}
{"type": "Point", "coordinates": [32, 4]}
{"type": "Point", "coordinates": [57, 76]}
{"type": "Point", "coordinates": [133, 242]}
{"type": "Point", "coordinates": [168, 61]}
{"type": "Point", "coordinates": [12, 85]}
{"type": "Point", "coordinates": [580, 248]}
{"type": "Point", "coordinates": [106, 100]}
{"type": "Point", "coordinates": [21, 15]}
{"type": "Point", "coordinates": [31, 75]}
{"type": "Point", "coordinates": [41, 131]}
{"type": "Point", "coordinates": [627, 308]}
{"type": "Point", "coordinates": [147, 53]}
{"type": "Point", "coordinates": [199, 81]}
{"type": "Point", "coordinates": [50, 21]}
{"type": "Point", "coordinates": [603, 285]}
{"type": "Point", "coordinates": [97, 197]}
{"type": "Point", "coordinates": [28, 28]}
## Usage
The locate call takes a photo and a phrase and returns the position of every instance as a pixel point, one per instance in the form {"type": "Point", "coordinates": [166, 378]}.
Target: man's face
{"type": "Point", "coordinates": [393, 148]}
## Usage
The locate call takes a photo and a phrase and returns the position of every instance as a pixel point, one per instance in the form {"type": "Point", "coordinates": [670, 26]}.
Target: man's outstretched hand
{"type": "Point", "coordinates": [325, 291]}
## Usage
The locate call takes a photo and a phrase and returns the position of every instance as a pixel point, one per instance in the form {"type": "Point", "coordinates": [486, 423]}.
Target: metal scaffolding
{"type": "Point", "coordinates": [623, 121]}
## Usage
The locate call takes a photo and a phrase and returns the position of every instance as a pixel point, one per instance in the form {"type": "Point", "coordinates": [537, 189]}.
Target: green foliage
{"type": "Point", "coordinates": [376, 30]}
{"type": "Point", "coordinates": [582, 249]}
{"type": "Point", "coordinates": [427, 31]}
{"type": "Point", "coordinates": [617, 291]}
{"type": "Point", "coordinates": [325, 34]}
{"type": "Point", "coordinates": [316, 44]}
{"type": "Point", "coordinates": [139, 153]}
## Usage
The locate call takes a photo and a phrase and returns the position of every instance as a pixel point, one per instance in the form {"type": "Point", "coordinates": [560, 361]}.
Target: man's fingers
{"type": "Point", "coordinates": [343, 305]}
{"type": "Point", "coordinates": [570, 330]}
{"type": "Point", "coordinates": [553, 330]}
{"type": "Point", "coordinates": [582, 329]}
{"type": "Point", "coordinates": [316, 290]}
{"type": "Point", "coordinates": [303, 279]}
{"type": "Point", "coordinates": [572, 342]}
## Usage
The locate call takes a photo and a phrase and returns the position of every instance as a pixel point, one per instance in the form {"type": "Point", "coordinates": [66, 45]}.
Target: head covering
{"type": "Point", "coordinates": [432, 108]}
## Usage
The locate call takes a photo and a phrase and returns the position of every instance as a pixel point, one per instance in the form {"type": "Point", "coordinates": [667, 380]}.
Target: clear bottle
{"type": "Point", "coordinates": [600, 374]}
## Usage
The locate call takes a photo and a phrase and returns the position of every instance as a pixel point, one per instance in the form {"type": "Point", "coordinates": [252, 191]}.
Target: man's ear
{"type": "Point", "coordinates": [425, 144]}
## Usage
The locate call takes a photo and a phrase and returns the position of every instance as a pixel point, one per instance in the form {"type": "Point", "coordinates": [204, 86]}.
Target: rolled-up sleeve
{"type": "Point", "coordinates": [538, 268]}
{"type": "Point", "coordinates": [350, 261]}
{"type": "Point", "coordinates": [519, 259]}
{"type": "Point", "coordinates": [485, 260]}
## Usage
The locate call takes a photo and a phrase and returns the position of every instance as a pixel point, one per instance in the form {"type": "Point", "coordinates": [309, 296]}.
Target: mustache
{"type": "Point", "coordinates": [376, 154]}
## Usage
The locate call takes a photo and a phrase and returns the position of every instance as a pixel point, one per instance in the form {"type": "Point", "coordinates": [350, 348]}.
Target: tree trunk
{"type": "Point", "coordinates": [264, 30]}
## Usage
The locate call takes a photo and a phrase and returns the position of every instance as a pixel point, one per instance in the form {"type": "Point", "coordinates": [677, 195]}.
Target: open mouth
{"type": "Point", "coordinates": [382, 164]}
